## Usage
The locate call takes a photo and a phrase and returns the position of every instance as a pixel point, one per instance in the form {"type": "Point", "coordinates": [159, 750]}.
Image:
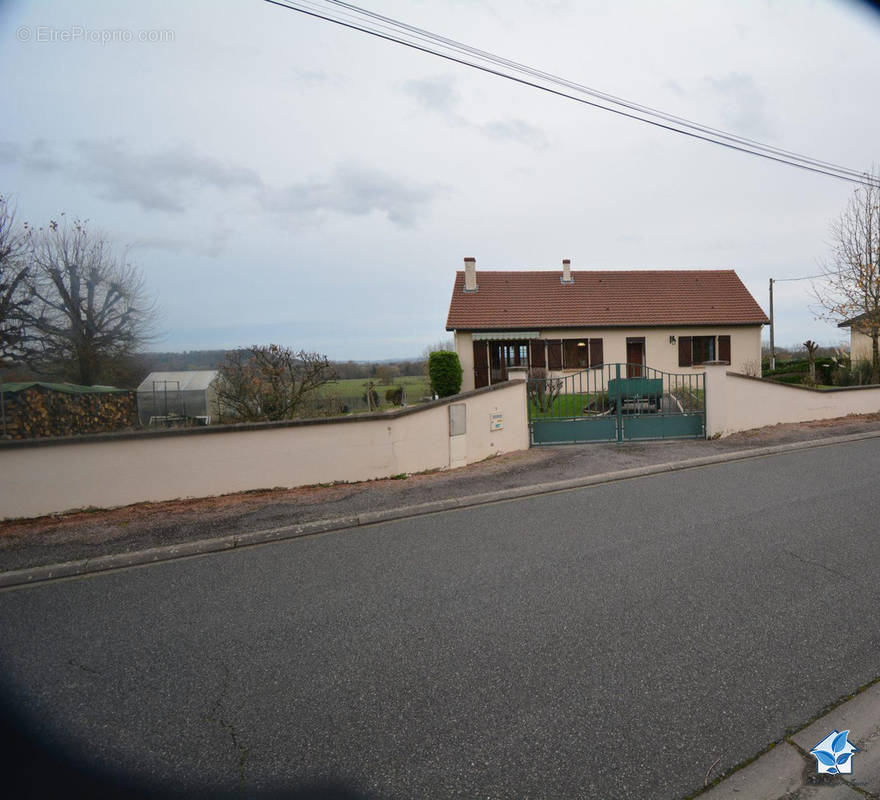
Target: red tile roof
{"type": "Point", "coordinates": [537, 299]}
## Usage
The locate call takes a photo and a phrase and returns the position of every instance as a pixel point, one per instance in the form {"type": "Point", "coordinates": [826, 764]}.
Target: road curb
{"type": "Point", "coordinates": [69, 569]}
{"type": "Point", "coordinates": [785, 768]}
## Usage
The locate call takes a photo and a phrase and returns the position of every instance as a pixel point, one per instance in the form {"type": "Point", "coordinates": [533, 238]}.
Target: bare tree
{"type": "Point", "coordinates": [811, 348]}
{"type": "Point", "coordinates": [269, 382]}
{"type": "Point", "coordinates": [850, 286]}
{"type": "Point", "coordinates": [90, 307]}
{"type": "Point", "coordinates": [15, 296]}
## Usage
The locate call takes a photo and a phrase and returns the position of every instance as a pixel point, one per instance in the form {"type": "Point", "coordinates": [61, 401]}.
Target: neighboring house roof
{"type": "Point", "coordinates": [857, 321]}
{"type": "Point", "coordinates": [190, 380]}
{"type": "Point", "coordinates": [538, 299]}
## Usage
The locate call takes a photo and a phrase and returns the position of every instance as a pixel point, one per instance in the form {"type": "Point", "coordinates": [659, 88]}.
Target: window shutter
{"type": "Point", "coordinates": [481, 355]}
{"type": "Point", "coordinates": [724, 348]}
{"type": "Point", "coordinates": [554, 354]}
{"type": "Point", "coordinates": [536, 353]}
{"type": "Point", "coordinates": [597, 358]}
{"type": "Point", "coordinates": [685, 356]}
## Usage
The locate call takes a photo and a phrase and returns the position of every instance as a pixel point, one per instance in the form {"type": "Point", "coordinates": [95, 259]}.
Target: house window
{"type": "Point", "coordinates": [703, 349]}
{"type": "Point", "coordinates": [576, 353]}
{"type": "Point", "coordinates": [516, 355]}
{"type": "Point", "coordinates": [697, 349]}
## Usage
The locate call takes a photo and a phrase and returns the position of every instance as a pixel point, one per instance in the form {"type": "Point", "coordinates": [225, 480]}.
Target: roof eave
{"type": "Point", "coordinates": [520, 324]}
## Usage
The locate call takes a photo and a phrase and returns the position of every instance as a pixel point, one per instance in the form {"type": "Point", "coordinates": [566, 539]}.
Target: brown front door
{"type": "Point", "coordinates": [635, 358]}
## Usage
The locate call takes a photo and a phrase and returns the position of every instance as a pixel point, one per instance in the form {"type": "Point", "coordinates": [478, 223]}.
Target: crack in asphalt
{"type": "Point", "coordinates": [819, 564]}
{"type": "Point", "coordinates": [216, 716]}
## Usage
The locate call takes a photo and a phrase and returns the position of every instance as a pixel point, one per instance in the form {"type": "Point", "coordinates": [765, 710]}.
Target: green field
{"type": "Point", "coordinates": [352, 392]}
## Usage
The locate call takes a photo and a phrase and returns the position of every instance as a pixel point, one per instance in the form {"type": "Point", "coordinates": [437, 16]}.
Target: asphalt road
{"type": "Point", "coordinates": [609, 642]}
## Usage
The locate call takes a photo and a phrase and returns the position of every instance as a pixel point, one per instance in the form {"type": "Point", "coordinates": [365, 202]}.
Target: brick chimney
{"type": "Point", "coordinates": [470, 274]}
{"type": "Point", "coordinates": [566, 272]}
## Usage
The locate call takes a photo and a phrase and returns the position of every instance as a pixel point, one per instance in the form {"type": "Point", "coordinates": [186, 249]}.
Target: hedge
{"type": "Point", "coordinates": [444, 370]}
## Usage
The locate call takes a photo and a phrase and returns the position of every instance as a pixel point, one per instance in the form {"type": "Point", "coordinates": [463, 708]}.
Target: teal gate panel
{"type": "Point", "coordinates": [562, 431]}
{"type": "Point", "coordinates": [616, 402]}
{"type": "Point", "coordinates": [663, 426]}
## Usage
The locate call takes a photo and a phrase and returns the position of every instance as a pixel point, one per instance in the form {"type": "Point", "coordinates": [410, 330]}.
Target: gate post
{"type": "Point", "coordinates": [715, 397]}
{"type": "Point", "coordinates": [618, 411]}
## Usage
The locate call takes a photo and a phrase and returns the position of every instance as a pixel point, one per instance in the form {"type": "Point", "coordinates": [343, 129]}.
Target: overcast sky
{"type": "Point", "coordinates": [282, 179]}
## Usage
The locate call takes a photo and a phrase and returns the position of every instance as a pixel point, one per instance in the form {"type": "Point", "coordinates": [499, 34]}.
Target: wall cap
{"type": "Point", "coordinates": [828, 390]}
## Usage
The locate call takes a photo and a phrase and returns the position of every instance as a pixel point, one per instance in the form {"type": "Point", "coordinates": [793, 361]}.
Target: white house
{"type": "Point", "coordinates": [564, 321]}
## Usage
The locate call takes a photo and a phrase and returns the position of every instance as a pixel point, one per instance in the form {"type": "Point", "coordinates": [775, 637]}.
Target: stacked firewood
{"type": "Point", "coordinates": [38, 411]}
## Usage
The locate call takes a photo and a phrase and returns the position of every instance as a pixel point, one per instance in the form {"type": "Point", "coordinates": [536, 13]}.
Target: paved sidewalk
{"type": "Point", "coordinates": [787, 771]}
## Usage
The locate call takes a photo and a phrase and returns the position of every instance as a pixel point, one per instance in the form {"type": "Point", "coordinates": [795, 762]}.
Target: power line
{"type": "Point", "coordinates": [586, 89]}
{"type": "Point", "coordinates": [388, 29]}
{"type": "Point", "coordinates": [805, 278]}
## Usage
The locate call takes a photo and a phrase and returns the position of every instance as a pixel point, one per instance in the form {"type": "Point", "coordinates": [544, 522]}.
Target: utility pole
{"type": "Point", "coordinates": [772, 345]}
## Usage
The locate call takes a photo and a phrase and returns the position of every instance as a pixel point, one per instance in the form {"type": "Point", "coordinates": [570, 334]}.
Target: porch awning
{"type": "Point", "coordinates": [496, 336]}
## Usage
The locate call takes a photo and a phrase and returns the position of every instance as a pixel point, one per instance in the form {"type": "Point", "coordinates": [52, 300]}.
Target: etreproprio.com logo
{"type": "Point", "coordinates": [43, 34]}
{"type": "Point", "coordinates": [834, 754]}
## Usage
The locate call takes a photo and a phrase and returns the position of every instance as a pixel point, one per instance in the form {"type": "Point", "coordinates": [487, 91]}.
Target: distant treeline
{"type": "Point", "coordinates": [129, 372]}
{"type": "Point", "coordinates": [212, 359]}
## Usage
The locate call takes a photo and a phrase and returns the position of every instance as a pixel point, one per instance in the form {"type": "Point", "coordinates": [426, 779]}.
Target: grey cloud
{"type": "Point", "coordinates": [518, 131]}
{"type": "Point", "coordinates": [310, 78]}
{"type": "Point", "coordinates": [212, 244]}
{"type": "Point", "coordinates": [742, 109]}
{"type": "Point", "coordinates": [439, 95]}
{"type": "Point", "coordinates": [164, 180]}
{"type": "Point", "coordinates": [674, 86]}
{"type": "Point", "coordinates": [37, 156]}
{"type": "Point", "coordinates": [168, 243]}
{"type": "Point", "coordinates": [435, 94]}
{"type": "Point", "coordinates": [355, 190]}
{"type": "Point", "coordinates": [155, 180]}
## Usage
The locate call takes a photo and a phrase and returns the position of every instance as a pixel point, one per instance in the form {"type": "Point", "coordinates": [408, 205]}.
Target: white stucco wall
{"type": "Point", "coordinates": [739, 403]}
{"type": "Point", "coordinates": [860, 347]}
{"type": "Point", "coordinates": [464, 346]}
{"type": "Point", "coordinates": [116, 471]}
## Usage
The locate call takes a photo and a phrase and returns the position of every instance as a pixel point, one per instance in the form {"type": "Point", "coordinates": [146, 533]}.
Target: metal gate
{"type": "Point", "coordinates": [617, 402]}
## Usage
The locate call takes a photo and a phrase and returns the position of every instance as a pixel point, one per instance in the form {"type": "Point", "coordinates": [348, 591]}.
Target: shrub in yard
{"type": "Point", "coordinates": [857, 373]}
{"type": "Point", "coordinates": [790, 377]}
{"type": "Point", "coordinates": [394, 395]}
{"type": "Point", "coordinates": [798, 371]}
{"type": "Point", "coordinates": [444, 370]}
